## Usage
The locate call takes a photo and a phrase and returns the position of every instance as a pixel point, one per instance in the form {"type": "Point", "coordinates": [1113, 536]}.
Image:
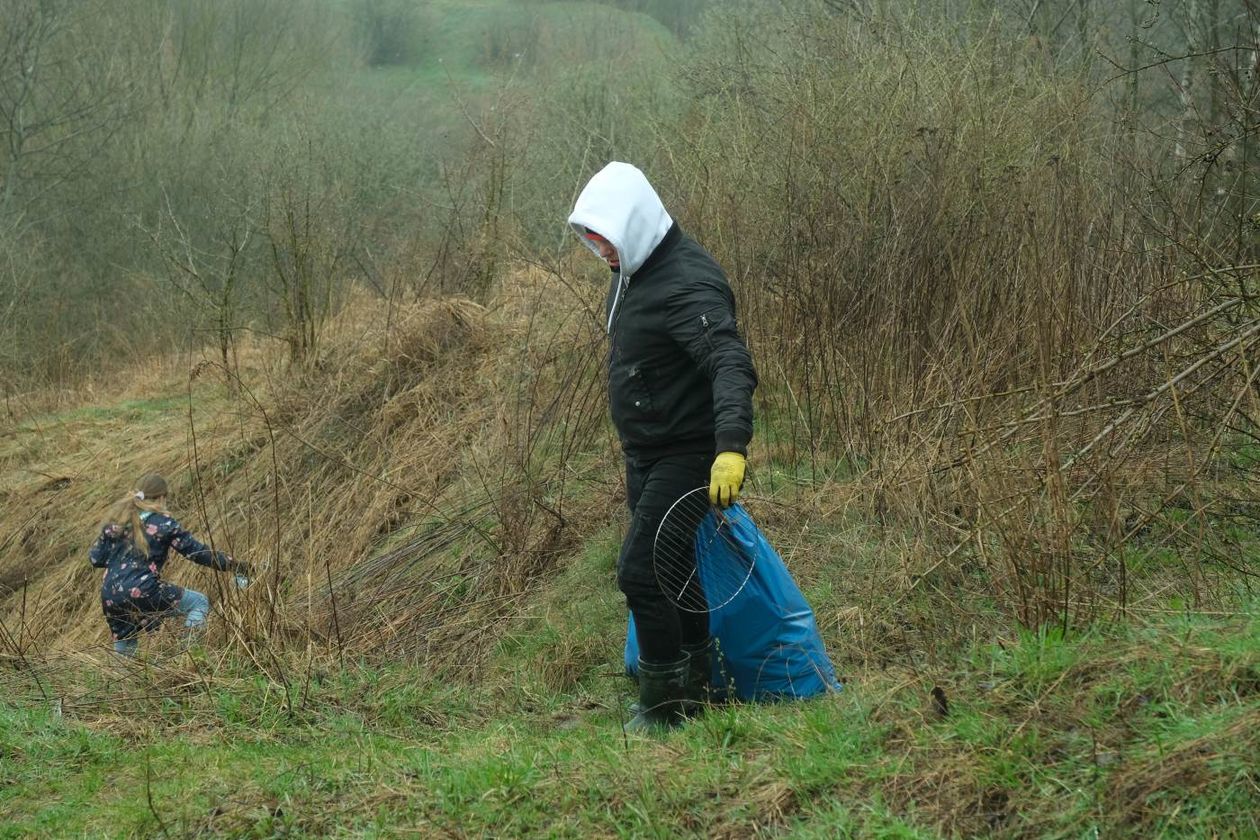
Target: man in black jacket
{"type": "Point", "coordinates": [680, 383]}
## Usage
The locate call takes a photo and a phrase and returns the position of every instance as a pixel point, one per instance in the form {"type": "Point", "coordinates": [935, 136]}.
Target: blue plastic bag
{"type": "Point", "coordinates": [768, 643]}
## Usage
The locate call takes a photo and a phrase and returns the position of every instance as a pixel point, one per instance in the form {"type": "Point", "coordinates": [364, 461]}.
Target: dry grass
{"type": "Point", "coordinates": [398, 496]}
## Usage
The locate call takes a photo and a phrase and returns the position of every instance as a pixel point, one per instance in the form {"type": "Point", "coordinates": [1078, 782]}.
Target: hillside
{"type": "Point", "coordinates": [430, 653]}
{"type": "Point", "coordinates": [997, 269]}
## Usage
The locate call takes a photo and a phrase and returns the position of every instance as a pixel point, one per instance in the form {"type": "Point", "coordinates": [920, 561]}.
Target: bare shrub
{"type": "Point", "coordinates": [947, 271]}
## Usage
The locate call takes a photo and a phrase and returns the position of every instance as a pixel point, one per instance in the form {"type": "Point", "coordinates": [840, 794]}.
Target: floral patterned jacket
{"type": "Point", "coordinates": [131, 577]}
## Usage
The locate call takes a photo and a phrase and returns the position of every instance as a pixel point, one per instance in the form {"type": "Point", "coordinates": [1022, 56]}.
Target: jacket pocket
{"type": "Point", "coordinates": [639, 392]}
{"type": "Point", "coordinates": [707, 325]}
{"type": "Point", "coordinates": [631, 402]}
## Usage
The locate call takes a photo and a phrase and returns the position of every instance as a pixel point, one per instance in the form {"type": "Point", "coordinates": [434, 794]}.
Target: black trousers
{"type": "Point", "coordinates": [652, 487]}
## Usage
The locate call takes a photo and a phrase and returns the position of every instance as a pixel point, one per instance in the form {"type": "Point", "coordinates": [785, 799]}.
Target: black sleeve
{"type": "Point", "coordinates": [100, 551]}
{"type": "Point", "coordinates": [186, 544]}
{"type": "Point", "coordinates": [108, 544]}
{"type": "Point", "coordinates": [702, 320]}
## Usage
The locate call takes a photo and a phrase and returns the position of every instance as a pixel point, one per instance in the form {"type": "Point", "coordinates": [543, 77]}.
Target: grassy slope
{"type": "Point", "coordinates": [1148, 730]}
{"type": "Point", "coordinates": [1145, 730]}
{"type": "Point", "coordinates": [466, 42]}
{"type": "Point", "coordinates": [1134, 733]}
{"type": "Point", "coordinates": [1140, 731]}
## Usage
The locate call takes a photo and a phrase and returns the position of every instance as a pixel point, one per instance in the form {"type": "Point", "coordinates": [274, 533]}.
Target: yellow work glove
{"type": "Point", "coordinates": [725, 479]}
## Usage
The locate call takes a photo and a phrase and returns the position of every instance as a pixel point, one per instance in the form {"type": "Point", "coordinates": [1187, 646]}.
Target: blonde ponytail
{"type": "Point", "coordinates": [124, 514]}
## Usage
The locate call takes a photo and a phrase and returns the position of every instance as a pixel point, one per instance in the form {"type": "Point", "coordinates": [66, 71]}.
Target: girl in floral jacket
{"type": "Point", "coordinates": [135, 539]}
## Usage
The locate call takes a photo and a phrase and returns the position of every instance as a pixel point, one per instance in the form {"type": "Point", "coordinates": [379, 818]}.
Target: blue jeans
{"type": "Point", "coordinates": [194, 606]}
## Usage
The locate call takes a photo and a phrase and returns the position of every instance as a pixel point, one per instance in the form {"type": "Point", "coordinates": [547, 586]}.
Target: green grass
{"type": "Point", "coordinates": [1242, 455]}
{"type": "Point", "coordinates": [475, 42]}
{"type": "Point", "coordinates": [1140, 732]}
{"type": "Point", "coordinates": [129, 411]}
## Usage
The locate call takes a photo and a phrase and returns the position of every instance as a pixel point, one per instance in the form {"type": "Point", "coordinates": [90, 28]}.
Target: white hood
{"type": "Point", "coordinates": [620, 205]}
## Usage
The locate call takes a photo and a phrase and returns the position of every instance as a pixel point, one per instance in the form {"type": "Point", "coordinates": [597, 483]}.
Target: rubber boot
{"type": "Point", "coordinates": [661, 688]}
{"type": "Point", "coordinates": [697, 694]}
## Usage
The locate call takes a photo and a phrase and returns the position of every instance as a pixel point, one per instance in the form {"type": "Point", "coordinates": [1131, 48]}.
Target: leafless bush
{"type": "Point", "coordinates": [958, 286]}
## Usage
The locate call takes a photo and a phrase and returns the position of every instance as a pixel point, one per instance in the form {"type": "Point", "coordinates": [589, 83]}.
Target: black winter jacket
{"type": "Point", "coordinates": [680, 378]}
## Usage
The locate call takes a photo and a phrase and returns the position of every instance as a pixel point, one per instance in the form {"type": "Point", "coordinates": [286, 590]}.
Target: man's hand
{"type": "Point", "coordinates": [725, 479]}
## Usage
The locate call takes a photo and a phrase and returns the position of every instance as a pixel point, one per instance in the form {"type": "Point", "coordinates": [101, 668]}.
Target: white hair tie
{"type": "Point", "coordinates": [140, 495]}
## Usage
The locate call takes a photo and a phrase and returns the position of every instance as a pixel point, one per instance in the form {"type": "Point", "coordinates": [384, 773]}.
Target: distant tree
{"type": "Point", "coordinates": [312, 239]}
{"type": "Point", "coordinates": [61, 99]}
{"type": "Point", "coordinates": [242, 58]}
{"type": "Point", "coordinates": [392, 31]}
{"type": "Point", "coordinates": [209, 269]}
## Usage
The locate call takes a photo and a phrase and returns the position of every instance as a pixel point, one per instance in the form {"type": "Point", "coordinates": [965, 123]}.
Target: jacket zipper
{"type": "Point", "coordinates": [704, 329]}
{"type": "Point", "coordinates": [623, 287]}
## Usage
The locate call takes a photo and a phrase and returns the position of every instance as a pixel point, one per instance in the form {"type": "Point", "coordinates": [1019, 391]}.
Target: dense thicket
{"type": "Point", "coordinates": [998, 261]}
{"type": "Point", "coordinates": [247, 159]}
